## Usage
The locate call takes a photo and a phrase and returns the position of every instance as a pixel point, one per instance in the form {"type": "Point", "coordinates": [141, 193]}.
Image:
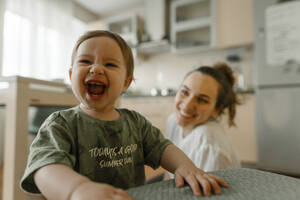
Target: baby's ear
{"type": "Point", "coordinates": [127, 83]}
{"type": "Point", "coordinates": [70, 73]}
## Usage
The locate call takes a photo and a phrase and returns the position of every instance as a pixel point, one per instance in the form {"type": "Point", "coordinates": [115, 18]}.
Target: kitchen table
{"type": "Point", "coordinates": [17, 94]}
{"type": "Point", "coordinates": [244, 184]}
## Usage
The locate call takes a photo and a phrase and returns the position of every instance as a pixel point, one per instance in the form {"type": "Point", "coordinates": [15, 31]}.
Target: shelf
{"type": "Point", "coordinates": [130, 38]}
{"type": "Point", "coordinates": [153, 47]}
{"type": "Point", "coordinates": [192, 25]}
{"type": "Point", "coordinates": [192, 9]}
{"type": "Point", "coordinates": [193, 39]}
{"type": "Point", "coordinates": [127, 26]}
{"type": "Point", "coordinates": [191, 49]}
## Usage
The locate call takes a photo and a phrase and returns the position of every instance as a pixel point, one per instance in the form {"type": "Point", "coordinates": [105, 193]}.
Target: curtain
{"type": "Point", "coordinates": [38, 38]}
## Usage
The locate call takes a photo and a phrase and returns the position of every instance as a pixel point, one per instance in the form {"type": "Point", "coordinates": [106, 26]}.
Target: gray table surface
{"type": "Point", "coordinates": [244, 184]}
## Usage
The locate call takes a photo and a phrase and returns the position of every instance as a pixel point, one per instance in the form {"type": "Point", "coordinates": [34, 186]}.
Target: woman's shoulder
{"type": "Point", "coordinates": [207, 128]}
{"type": "Point", "coordinates": [209, 132]}
{"type": "Point", "coordinates": [171, 119]}
{"type": "Point", "coordinates": [172, 128]}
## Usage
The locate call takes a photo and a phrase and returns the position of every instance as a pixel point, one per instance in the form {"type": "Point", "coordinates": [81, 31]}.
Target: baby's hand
{"type": "Point", "coordinates": [195, 176]}
{"type": "Point", "coordinates": [97, 191]}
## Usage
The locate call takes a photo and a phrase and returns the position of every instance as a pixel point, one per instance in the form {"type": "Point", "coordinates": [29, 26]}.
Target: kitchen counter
{"type": "Point", "coordinates": [17, 94]}
{"type": "Point", "coordinates": [145, 95]}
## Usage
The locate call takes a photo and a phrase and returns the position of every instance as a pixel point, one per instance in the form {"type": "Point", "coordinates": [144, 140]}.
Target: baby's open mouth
{"type": "Point", "coordinates": [95, 88]}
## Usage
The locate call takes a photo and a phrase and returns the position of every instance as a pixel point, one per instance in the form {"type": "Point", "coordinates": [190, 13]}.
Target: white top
{"type": "Point", "coordinates": [207, 145]}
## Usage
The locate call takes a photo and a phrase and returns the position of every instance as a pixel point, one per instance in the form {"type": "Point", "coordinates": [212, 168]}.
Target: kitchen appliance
{"type": "Point", "coordinates": [277, 88]}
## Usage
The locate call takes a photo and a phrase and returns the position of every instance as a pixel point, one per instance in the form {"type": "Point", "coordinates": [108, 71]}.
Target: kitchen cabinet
{"type": "Point", "coordinates": [192, 25]}
{"type": "Point", "coordinates": [127, 25]}
{"type": "Point", "coordinates": [234, 20]}
{"type": "Point", "coordinates": [210, 24]}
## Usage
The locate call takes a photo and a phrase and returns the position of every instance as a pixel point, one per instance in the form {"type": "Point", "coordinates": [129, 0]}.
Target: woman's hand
{"type": "Point", "coordinates": [197, 178]}
{"type": "Point", "coordinates": [97, 191]}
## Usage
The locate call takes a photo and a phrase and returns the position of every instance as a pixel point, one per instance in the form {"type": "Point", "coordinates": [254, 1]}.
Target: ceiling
{"type": "Point", "coordinates": [104, 7]}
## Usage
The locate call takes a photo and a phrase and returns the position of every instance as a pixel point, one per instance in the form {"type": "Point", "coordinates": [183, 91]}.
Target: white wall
{"type": "Point", "coordinates": [167, 70]}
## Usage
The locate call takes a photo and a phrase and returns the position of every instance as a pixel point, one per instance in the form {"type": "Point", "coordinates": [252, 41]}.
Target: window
{"type": "Point", "coordinates": [32, 48]}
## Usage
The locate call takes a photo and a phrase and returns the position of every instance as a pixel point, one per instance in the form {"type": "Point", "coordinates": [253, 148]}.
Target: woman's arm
{"type": "Point", "coordinates": [175, 161]}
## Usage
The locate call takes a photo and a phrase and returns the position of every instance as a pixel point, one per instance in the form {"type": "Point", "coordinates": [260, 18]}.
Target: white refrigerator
{"type": "Point", "coordinates": [277, 84]}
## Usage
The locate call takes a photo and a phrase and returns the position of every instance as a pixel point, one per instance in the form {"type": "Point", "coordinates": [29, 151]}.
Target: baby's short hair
{"type": "Point", "coordinates": [125, 49]}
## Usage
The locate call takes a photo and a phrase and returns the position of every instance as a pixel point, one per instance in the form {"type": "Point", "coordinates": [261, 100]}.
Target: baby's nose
{"type": "Point", "coordinates": [97, 69]}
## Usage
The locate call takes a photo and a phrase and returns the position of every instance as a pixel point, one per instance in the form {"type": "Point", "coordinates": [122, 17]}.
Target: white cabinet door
{"type": "Point", "coordinates": [209, 24]}
{"type": "Point", "coordinates": [192, 25]}
{"type": "Point", "coordinates": [234, 20]}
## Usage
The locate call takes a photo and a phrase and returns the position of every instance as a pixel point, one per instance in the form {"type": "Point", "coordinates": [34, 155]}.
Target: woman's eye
{"type": "Point", "coordinates": [201, 100]}
{"type": "Point", "coordinates": [184, 92]}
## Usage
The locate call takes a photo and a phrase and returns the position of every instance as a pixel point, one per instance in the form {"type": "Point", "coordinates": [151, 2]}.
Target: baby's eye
{"type": "Point", "coordinates": [110, 65]}
{"type": "Point", "coordinates": [85, 61]}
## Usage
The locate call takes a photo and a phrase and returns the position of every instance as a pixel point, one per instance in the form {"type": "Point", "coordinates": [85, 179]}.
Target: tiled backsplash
{"type": "Point", "coordinates": [167, 70]}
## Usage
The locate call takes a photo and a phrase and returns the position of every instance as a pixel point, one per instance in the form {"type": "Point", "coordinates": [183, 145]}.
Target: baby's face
{"type": "Point", "coordinates": [195, 101]}
{"type": "Point", "coordinates": [98, 75]}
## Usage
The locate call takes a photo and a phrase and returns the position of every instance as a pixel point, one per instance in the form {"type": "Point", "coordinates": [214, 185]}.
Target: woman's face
{"type": "Point", "coordinates": [196, 99]}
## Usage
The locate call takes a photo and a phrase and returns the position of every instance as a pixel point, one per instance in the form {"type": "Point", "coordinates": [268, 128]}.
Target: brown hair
{"type": "Point", "coordinates": [125, 49]}
{"type": "Point", "coordinates": [227, 98]}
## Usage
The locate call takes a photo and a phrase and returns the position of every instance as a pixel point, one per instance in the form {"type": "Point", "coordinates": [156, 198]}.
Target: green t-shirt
{"type": "Point", "coordinates": [112, 152]}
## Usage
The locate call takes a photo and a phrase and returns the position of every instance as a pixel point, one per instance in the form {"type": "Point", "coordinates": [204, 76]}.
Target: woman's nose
{"type": "Point", "coordinates": [97, 69]}
{"type": "Point", "coordinates": [189, 104]}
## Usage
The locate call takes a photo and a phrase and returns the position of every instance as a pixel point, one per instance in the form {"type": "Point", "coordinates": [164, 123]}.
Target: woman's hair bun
{"type": "Point", "coordinates": [226, 70]}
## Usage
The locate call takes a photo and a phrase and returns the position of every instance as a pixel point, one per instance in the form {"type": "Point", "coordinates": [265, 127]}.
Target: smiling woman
{"type": "Point", "coordinates": [202, 98]}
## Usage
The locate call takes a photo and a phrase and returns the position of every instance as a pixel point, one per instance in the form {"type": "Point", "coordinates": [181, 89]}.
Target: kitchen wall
{"type": "Point", "coordinates": [167, 70]}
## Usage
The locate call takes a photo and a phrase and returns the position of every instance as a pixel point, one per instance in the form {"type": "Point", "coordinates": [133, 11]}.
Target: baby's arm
{"type": "Point", "coordinates": [60, 182]}
{"type": "Point", "coordinates": [175, 161]}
